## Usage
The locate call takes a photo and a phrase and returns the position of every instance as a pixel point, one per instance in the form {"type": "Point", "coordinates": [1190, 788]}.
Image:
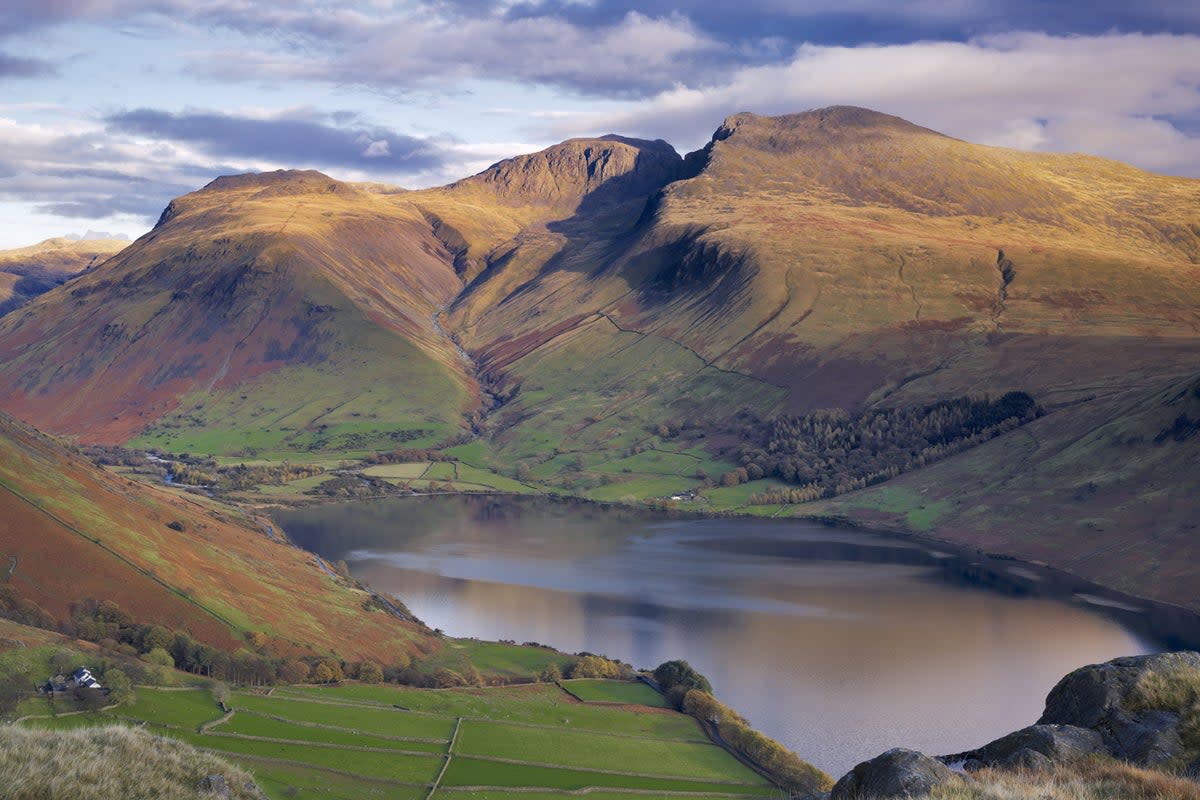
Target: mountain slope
{"type": "Point", "coordinates": [1105, 490]}
{"type": "Point", "coordinates": [70, 531]}
{"type": "Point", "coordinates": [271, 312]}
{"type": "Point", "coordinates": [28, 272]}
{"type": "Point", "coordinates": [836, 258]}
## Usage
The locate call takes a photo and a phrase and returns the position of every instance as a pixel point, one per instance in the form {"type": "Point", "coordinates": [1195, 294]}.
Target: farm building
{"type": "Point", "coordinates": [81, 678]}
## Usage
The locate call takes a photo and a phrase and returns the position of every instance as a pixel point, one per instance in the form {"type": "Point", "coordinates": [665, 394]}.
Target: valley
{"type": "Point", "coordinates": [835, 316]}
{"type": "Point", "coordinates": [610, 320]}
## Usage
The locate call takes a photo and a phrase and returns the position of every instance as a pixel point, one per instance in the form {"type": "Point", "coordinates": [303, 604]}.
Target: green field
{"type": "Point", "coordinates": [183, 708]}
{"type": "Point", "coordinates": [377, 720]}
{"type": "Point", "coordinates": [383, 741]}
{"type": "Point", "coordinates": [248, 724]}
{"type": "Point", "coordinates": [476, 772]}
{"type": "Point", "coordinates": [586, 750]}
{"type": "Point", "coordinates": [402, 471]}
{"type": "Point", "coordinates": [598, 690]}
{"type": "Point", "coordinates": [534, 704]}
{"type": "Point", "coordinates": [496, 658]}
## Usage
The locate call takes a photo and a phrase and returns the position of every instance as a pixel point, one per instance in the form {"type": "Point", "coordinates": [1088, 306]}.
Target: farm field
{"type": "Point", "coordinates": [400, 743]}
{"type": "Point", "coordinates": [599, 690]}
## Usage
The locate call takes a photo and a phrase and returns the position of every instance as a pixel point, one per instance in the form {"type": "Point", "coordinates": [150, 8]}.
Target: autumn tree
{"type": "Point", "coordinates": [370, 672]}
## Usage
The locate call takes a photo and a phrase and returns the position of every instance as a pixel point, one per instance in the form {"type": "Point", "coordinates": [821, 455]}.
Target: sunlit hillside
{"type": "Point", "coordinates": [71, 532]}
{"type": "Point", "coordinates": [27, 272]}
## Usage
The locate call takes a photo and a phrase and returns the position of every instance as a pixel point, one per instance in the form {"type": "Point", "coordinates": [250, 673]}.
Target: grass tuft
{"type": "Point", "coordinates": [1097, 779]}
{"type": "Point", "coordinates": [109, 763]}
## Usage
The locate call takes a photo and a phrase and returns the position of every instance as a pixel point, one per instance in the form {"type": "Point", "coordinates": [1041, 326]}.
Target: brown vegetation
{"type": "Point", "coordinates": [111, 763]}
{"type": "Point", "coordinates": [70, 531]}
{"type": "Point", "coordinates": [1098, 779]}
{"type": "Point", "coordinates": [782, 764]}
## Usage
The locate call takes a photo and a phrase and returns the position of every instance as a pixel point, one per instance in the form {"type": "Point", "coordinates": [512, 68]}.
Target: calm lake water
{"type": "Point", "coordinates": [841, 644]}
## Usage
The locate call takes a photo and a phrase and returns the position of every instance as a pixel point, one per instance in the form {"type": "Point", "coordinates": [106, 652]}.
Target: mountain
{"type": "Point", "coordinates": [263, 313]}
{"type": "Point", "coordinates": [70, 532]}
{"type": "Point", "coordinates": [846, 258]}
{"type": "Point", "coordinates": [28, 272]}
{"type": "Point", "coordinates": [610, 317]}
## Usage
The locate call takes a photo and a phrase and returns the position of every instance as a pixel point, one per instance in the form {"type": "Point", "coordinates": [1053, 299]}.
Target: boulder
{"type": "Point", "coordinates": [214, 785]}
{"type": "Point", "coordinates": [896, 773]}
{"type": "Point", "coordinates": [1099, 697]}
{"type": "Point", "coordinates": [1053, 742]}
{"type": "Point", "coordinates": [1150, 738]}
{"type": "Point", "coordinates": [1089, 695]}
{"type": "Point", "coordinates": [1027, 759]}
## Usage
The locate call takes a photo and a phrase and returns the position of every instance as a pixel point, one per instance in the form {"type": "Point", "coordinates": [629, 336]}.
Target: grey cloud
{"type": "Point", "coordinates": [100, 206]}
{"type": "Point", "coordinates": [78, 194]}
{"type": "Point", "coordinates": [635, 56]}
{"type": "Point", "coordinates": [17, 16]}
{"type": "Point", "coordinates": [292, 141]}
{"type": "Point", "coordinates": [17, 67]}
{"type": "Point", "coordinates": [617, 48]}
{"type": "Point", "coordinates": [613, 48]}
{"type": "Point", "coordinates": [1131, 97]}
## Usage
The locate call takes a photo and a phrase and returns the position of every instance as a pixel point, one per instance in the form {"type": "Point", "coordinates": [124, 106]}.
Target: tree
{"type": "Point", "coordinates": [593, 666]}
{"type": "Point", "coordinates": [550, 673]}
{"type": "Point", "coordinates": [370, 672]}
{"type": "Point", "coordinates": [160, 657]}
{"type": "Point", "coordinates": [677, 678]}
{"type": "Point", "coordinates": [293, 671]}
{"type": "Point", "coordinates": [328, 671]}
{"type": "Point", "coordinates": [89, 699]}
{"type": "Point", "coordinates": [157, 636]}
{"type": "Point", "coordinates": [13, 688]}
{"type": "Point", "coordinates": [120, 688]}
{"type": "Point", "coordinates": [444, 678]}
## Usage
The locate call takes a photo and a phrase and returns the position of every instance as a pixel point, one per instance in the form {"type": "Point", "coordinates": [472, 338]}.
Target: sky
{"type": "Point", "coordinates": [110, 108]}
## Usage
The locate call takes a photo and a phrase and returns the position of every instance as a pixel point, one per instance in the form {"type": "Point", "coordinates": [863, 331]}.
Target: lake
{"type": "Point", "coordinates": [839, 643]}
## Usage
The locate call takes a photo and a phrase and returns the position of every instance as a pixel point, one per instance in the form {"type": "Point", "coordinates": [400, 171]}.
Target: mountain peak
{"type": "Point", "coordinates": [604, 170]}
{"type": "Point", "coordinates": [788, 131]}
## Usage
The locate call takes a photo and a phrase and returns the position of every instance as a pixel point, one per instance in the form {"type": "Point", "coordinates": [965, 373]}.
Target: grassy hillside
{"type": "Point", "coordinates": [111, 763]}
{"type": "Point", "coordinates": [843, 257]}
{"type": "Point", "coordinates": [70, 531]}
{"type": "Point", "coordinates": [269, 313]}
{"type": "Point", "coordinates": [1106, 490]}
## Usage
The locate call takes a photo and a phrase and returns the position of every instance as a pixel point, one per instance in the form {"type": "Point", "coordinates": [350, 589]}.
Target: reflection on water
{"type": "Point", "coordinates": [840, 644]}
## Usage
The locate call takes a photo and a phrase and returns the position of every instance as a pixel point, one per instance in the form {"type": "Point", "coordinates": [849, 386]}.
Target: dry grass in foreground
{"type": "Point", "coordinates": [1098, 779]}
{"type": "Point", "coordinates": [110, 763]}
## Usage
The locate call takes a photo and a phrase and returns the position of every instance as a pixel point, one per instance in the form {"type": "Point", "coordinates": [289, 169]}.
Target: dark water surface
{"type": "Point", "coordinates": [841, 644]}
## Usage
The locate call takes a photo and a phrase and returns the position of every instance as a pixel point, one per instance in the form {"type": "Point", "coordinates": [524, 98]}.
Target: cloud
{"type": "Point", "coordinates": [1113, 95]}
{"type": "Point", "coordinates": [17, 67]}
{"type": "Point", "coordinates": [613, 48]}
{"type": "Point", "coordinates": [634, 56]}
{"type": "Point", "coordinates": [132, 163]}
{"type": "Point", "coordinates": [295, 139]}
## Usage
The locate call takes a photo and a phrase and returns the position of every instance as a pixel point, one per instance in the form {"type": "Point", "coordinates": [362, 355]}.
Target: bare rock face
{"type": "Point", "coordinates": [896, 773]}
{"type": "Point", "coordinates": [1102, 697]}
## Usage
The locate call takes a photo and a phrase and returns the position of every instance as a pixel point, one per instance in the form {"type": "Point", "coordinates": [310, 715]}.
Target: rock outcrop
{"type": "Point", "coordinates": [1035, 746]}
{"type": "Point", "coordinates": [1144, 710]}
{"type": "Point", "coordinates": [1136, 704]}
{"type": "Point", "coordinates": [896, 773]}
